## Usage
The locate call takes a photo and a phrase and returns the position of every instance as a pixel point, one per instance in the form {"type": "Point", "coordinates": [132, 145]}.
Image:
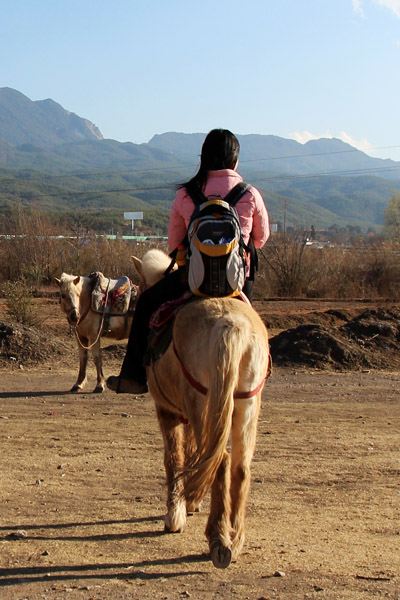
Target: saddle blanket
{"type": "Point", "coordinates": [112, 297]}
{"type": "Point", "coordinates": [162, 322]}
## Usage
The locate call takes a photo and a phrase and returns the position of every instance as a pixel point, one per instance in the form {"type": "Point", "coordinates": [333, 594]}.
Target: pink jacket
{"type": "Point", "coordinates": [253, 215]}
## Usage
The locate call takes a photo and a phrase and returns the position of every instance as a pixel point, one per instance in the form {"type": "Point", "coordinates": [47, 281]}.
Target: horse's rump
{"type": "Point", "coordinates": [222, 345]}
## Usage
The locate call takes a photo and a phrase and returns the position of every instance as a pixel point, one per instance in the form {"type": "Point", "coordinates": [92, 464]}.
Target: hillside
{"type": "Point", "coordinates": [275, 155]}
{"type": "Point", "coordinates": [42, 123]}
{"type": "Point", "coordinates": [55, 160]}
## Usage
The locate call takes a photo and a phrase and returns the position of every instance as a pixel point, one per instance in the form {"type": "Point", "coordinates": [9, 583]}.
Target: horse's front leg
{"type": "Point", "coordinates": [83, 360]}
{"type": "Point", "coordinates": [174, 456]}
{"type": "Point", "coordinates": [98, 361]}
{"type": "Point", "coordinates": [244, 427]}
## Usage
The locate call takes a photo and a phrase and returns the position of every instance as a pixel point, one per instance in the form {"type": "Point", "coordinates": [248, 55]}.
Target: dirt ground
{"type": "Point", "coordinates": [82, 487]}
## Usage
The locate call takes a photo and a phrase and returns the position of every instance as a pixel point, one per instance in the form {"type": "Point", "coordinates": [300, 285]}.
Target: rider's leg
{"type": "Point", "coordinates": [132, 377]}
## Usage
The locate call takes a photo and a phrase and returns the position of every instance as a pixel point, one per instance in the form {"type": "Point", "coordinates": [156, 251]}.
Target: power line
{"type": "Point", "coordinates": [321, 154]}
{"type": "Point", "coordinates": [183, 166]}
{"type": "Point", "coordinates": [354, 172]}
{"type": "Point", "coordinates": [172, 185]}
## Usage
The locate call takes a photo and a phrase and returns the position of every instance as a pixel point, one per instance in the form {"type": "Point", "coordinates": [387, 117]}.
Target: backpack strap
{"type": "Point", "coordinates": [236, 193]}
{"type": "Point", "coordinates": [232, 197]}
{"type": "Point", "coordinates": [197, 196]}
{"type": "Point", "coordinates": [253, 259]}
{"type": "Point", "coordinates": [171, 265]}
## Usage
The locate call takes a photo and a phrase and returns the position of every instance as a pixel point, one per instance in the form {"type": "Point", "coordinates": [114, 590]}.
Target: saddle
{"type": "Point", "coordinates": [162, 322]}
{"type": "Point", "coordinates": [112, 297]}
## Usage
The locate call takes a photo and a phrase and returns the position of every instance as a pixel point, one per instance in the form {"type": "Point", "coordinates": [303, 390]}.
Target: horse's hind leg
{"type": "Point", "coordinates": [244, 427]}
{"type": "Point", "coordinates": [174, 456]}
{"type": "Point", "coordinates": [218, 527]}
{"type": "Point", "coordinates": [192, 505]}
{"type": "Point", "coordinates": [83, 360]}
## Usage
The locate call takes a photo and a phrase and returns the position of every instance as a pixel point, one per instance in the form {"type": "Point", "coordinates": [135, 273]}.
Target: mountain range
{"type": "Point", "coordinates": [60, 161]}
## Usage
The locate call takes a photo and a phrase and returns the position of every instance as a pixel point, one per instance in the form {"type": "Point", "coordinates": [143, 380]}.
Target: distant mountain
{"type": "Point", "coordinates": [88, 155]}
{"type": "Point", "coordinates": [322, 182]}
{"type": "Point", "coordinates": [272, 154]}
{"type": "Point", "coordinates": [42, 123]}
{"type": "Point", "coordinates": [325, 180]}
{"type": "Point", "coordinates": [43, 136]}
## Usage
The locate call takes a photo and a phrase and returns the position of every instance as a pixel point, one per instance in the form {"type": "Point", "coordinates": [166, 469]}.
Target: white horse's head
{"type": "Point", "coordinates": [70, 291]}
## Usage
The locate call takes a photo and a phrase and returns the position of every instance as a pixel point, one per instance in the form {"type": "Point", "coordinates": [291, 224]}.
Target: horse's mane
{"type": "Point", "coordinates": [154, 265]}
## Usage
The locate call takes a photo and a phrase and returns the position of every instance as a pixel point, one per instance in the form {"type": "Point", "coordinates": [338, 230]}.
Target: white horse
{"type": "Point", "coordinates": [88, 325]}
{"type": "Point", "coordinates": [207, 387]}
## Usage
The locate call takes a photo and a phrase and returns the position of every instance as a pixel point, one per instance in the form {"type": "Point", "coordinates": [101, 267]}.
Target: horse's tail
{"type": "Point", "coordinates": [226, 347]}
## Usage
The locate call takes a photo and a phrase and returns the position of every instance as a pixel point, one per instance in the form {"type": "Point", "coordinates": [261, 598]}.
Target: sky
{"type": "Point", "coordinates": [298, 69]}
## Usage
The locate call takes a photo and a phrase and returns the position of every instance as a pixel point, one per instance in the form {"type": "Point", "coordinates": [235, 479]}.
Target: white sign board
{"type": "Point", "coordinates": [133, 216]}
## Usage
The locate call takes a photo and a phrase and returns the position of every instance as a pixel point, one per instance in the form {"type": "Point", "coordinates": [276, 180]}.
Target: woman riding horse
{"type": "Point", "coordinates": [217, 175]}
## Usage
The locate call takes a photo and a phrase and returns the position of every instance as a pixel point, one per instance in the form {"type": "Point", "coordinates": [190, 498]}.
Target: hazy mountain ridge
{"type": "Point", "coordinates": [324, 181]}
{"type": "Point", "coordinates": [42, 123]}
{"type": "Point", "coordinates": [275, 154]}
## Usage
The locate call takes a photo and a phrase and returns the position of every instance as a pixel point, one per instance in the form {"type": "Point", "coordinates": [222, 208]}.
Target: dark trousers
{"type": "Point", "coordinates": [170, 287]}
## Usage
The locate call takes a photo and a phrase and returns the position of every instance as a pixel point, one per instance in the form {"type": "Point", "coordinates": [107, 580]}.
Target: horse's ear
{"type": "Point", "coordinates": [138, 266]}
{"type": "Point", "coordinates": [58, 281]}
{"type": "Point", "coordinates": [76, 280]}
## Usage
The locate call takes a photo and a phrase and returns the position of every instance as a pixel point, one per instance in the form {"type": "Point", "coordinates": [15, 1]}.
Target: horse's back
{"type": "Point", "coordinates": [196, 319]}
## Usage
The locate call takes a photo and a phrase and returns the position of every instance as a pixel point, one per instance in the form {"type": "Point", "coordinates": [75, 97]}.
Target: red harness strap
{"type": "Point", "coordinates": [203, 390]}
{"type": "Point", "coordinates": [193, 382]}
{"type": "Point", "coordinates": [252, 392]}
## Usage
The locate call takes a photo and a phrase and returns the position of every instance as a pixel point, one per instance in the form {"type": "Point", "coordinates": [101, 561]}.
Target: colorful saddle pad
{"type": "Point", "coordinates": [161, 325]}
{"type": "Point", "coordinates": [113, 297]}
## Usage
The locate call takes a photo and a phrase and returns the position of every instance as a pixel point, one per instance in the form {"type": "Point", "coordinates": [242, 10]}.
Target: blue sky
{"type": "Point", "coordinates": [293, 68]}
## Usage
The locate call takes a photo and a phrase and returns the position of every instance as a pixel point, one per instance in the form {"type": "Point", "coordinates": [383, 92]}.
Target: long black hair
{"type": "Point", "coordinates": [220, 150]}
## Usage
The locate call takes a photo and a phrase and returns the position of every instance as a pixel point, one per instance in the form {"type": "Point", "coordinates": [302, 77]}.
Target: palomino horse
{"type": "Point", "coordinates": [88, 325]}
{"type": "Point", "coordinates": [207, 387]}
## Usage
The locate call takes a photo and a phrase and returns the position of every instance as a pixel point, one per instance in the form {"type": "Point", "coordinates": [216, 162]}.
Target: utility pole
{"type": "Point", "coordinates": [284, 215]}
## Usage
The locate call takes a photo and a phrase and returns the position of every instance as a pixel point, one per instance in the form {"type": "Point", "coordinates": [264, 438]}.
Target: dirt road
{"type": "Point", "coordinates": [82, 494]}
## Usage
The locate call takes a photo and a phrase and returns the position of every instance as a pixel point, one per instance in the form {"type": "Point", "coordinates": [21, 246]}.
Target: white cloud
{"type": "Point", "coordinates": [305, 136]}
{"type": "Point", "coordinates": [393, 5]}
{"type": "Point", "coordinates": [358, 7]}
{"type": "Point", "coordinates": [362, 144]}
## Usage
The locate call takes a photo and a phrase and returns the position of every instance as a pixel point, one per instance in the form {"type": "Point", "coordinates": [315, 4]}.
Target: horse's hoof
{"type": "Point", "coordinates": [192, 507]}
{"type": "Point", "coordinates": [190, 511]}
{"type": "Point", "coordinates": [99, 389]}
{"type": "Point", "coordinates": [174, 524]}
{"type": "Point", "coordinates": [168, 530]}
{"type": "Point", "coordinates": [75, 389]}
{"type": "Point", "coordinates": [221, 556]}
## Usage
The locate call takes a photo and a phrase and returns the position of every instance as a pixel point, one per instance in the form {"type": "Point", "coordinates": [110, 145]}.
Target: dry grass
{"type": "Point", "coordinates": [287, 267]}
